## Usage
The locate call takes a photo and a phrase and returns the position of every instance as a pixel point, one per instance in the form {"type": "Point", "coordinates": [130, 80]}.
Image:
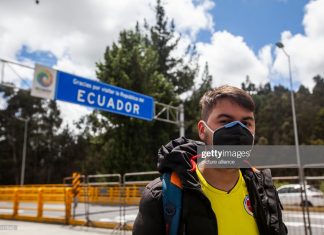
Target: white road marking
{"type": "Point", "coordinates": [294, 224]}
{"type": "Point", "coordinates": [128, 218]}
{"type": "Point", "coordinates": [54, 207]}
{"type": "Point", "coordinates": [314, 216]}
{"type": "Point", "coordinates": [11, 211]}
{"type": "Point", "coordinates": [300, 224]}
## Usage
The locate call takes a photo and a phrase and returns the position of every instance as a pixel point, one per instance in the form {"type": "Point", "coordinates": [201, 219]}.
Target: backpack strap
{"type": "Point", "coordinates": [265, 202]}
{"type": "Point", "coordinates": [172, 202]}
{"type": "Point", "coordinates": [274, 204]}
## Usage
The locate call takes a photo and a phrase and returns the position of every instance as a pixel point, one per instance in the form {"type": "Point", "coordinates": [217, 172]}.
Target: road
{"type": "Point", "coordinates": [101, 213]}
{"type": "Point", "coordinates": [293, 219]}
{"type": "Point", "coordinates": [295, 224]}
{"type": "Point", "coordinates": [11, 227]}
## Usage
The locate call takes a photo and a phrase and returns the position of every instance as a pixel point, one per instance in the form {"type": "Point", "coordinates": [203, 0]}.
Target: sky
{"type": "Point", "coordinates": [235, 37]}
{"type": "Point", "coordinates": [259, 22]}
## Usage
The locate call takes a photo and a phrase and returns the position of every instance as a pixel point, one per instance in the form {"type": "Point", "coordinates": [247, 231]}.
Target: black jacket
{"type": "Point", "coordinates": [197, 216]}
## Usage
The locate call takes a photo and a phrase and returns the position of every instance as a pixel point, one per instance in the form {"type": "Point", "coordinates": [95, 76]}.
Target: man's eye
{"type": "Point", "coordinates": [224, 121]}
{"type": "Point", "coordinates": [246, 123]}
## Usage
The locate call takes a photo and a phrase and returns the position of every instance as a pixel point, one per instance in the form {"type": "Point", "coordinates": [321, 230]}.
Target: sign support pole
{"type": "Point", "coordinates": [181, 121]}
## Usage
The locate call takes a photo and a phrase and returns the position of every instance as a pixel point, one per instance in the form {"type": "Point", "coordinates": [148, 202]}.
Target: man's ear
{"type": "Point", "coordinates": [201, 130]}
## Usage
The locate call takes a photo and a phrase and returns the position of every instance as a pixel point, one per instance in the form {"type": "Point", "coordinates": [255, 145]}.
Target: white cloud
{"type": "Point", "coordinates": [314, 19]}
{"type": "Point", "coordinates": [82, 29]}
{"type": "Point", "coordinates": [66, 64]}
{"type": "Point", "coordinates": [231, 60]}
{"type": "Point", "coordinates": [3, 103]}
{"type": "Point", "coordinates": [72, 112]}
{"type": "Point", "coordinates": [190, 17]}
{"type": "Point", "coordinates": [265, 56]}
{"type": "Point", "coordinates": [78, 31]}
{"type": "Point", "coordinates": [306, 51]}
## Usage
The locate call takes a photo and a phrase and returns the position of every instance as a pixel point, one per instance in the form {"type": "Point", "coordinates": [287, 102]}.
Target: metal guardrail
{"type": "Point", "coordinates": [119, 194]}
{"type": "Point", "coordinates": [132, 194]}
{"type": "Point", "coordinates": [112, 194]}
{"type": "Point", "coordinates": [40, 196]}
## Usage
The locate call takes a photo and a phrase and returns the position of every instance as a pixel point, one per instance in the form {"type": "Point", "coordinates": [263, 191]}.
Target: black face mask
{"type": "Point", "coordinates": [233, 133]}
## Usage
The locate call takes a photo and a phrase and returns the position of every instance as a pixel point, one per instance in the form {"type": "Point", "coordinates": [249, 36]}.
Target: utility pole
{"type": "Point", "coordinates": [303, 193]}
{"type": "Point", "coordinates": [23, 164]}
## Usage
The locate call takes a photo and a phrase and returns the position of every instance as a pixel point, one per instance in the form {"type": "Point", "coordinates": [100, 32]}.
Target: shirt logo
{"type": "Point", "coordinates": [247, 205]}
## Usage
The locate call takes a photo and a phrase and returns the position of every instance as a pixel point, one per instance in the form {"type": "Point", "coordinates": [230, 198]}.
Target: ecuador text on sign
{"type": "Point", "coordinates": [102, 96]}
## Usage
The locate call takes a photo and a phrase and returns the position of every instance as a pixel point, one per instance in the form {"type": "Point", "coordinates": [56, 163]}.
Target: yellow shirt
{"type": "Point", "coordinates": [233, 210]}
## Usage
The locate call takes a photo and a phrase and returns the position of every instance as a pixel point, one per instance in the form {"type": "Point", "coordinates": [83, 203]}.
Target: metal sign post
{"type": "Point", "coordinates": [23, 164]}
{"type": "Point", "coordinates": [170, 114]}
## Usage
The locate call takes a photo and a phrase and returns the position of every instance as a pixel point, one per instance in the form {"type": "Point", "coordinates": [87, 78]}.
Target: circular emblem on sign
{"type": "Point", "coordinates": [44, 78]}
{"type": "Point", "coordinates": [247, 205]}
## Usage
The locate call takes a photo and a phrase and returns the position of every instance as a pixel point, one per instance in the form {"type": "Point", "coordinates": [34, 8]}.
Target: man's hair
{"type": "Point", "coordinates": [237, 95]}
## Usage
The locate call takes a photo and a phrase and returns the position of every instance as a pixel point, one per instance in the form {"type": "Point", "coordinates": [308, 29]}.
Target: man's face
{"type": "Point", "coordinates": [224, 112]}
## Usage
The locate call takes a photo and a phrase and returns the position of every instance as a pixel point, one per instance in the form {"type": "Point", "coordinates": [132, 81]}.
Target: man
{"type": "Point", "coordinates": [214, 200]}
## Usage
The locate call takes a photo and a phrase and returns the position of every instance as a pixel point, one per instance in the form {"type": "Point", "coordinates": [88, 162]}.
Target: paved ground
{"type": "Point", "coordinates": [295, 224]}
{"type": "Point", "coordinates": [293, 219]}
{"type": "Point", "coordinates": [11, 227]}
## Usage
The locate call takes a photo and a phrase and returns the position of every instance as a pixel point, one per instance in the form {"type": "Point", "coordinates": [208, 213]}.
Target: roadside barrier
{"type": "Point", "coordinates": [29, 203]}
{"type": "Point", "coordinates": [111, 201]}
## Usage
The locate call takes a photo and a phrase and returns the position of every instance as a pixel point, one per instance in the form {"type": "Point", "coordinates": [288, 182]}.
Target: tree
{"type": "Point", "coordinates": [142, 61]}
{"type": "Point", "coordinates": [273, 116]}
{"type": "Point", "coordinates": [133, 64]}
{"type": "Point", "coordinates": [304, 107]}
{"type": "Point", "coordinates": [192, 111]}
{"type": "Point", "coordinates": [319, 126]}
{"type": "Point", "coordinates": [318, 94]}
{"type": "Point", "coordinates": [248, 86]}
{"type": "Point", "coordinates": [179, 71]}
{"type": "Point", "coordinates": [44, 122]}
